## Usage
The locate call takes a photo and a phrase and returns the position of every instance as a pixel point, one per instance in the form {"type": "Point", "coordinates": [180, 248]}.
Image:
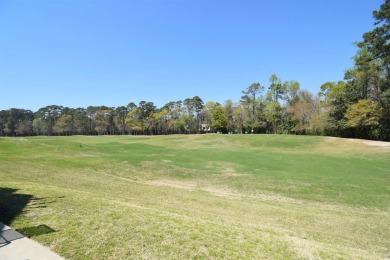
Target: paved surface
{"type": "Point", "coordinates": [15, 246]}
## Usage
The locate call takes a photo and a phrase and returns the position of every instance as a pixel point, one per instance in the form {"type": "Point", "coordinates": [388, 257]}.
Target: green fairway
{"type": "Point", "coordinates": [199, 196]}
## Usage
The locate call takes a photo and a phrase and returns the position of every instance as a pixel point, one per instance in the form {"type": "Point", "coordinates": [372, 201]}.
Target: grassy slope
{"type": "Point", "coordinates": [202, 196]}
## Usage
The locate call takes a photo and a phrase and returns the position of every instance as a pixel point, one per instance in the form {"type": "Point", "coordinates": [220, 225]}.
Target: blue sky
{"type": "Point", "coordinates": [78, 53]}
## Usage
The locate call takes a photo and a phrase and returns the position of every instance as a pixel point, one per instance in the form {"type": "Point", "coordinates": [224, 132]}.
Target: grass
{"type": "Point", "coordinates": [198, 196]}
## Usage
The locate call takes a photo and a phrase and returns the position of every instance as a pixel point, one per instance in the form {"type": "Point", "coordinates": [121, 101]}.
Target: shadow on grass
{"type": "Point", "coordinates": [35, 231]}
{"type": "Point", "coordinates": [12, 204]}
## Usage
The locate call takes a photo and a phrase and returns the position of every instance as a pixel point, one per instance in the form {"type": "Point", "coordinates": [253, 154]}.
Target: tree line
{"type": "Point", "coordinates": [357, 106]}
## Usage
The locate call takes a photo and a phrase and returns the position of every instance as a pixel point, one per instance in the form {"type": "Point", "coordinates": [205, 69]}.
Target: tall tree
{"type": "Point", "coordinates": [290, 92]}
{"type": "Point", "coordinates": [303, 111]}
{"type": "Point", "coordinates": [103, 120]}
{"type": "Point", "coordinates": [228, 106]}
{"type": "Point", "coordinates": [373, 60]}
{"type": "Point", "coordinates": [219, 121]}
{"type": "Point", "coordinates": [248, 100]}
{"type": "Point", "coordinates": [377, 40]}
{"type": "Point", "coordinates": [239, 119]}
{"type": "Point", "coordinates": [119, 119]}
{"type": "Point", "coordinates": [334, 106]}
{"type": "Point", "coordinates": [173, 116]}
{"type": "Point", "coordinates": [80, 121]}
{"type": "Point", "coordinates": [208, 109]}
{"type": "Point", "coordinates": [133, 122]}
{"type": "Point", "coordinates": [91, 113]}
{"type": "Point", "coordinates": [273, 115]}
{"type": "Point", "coordinates": [198, 105]}
{"type": "Point", "coordinates": [188, 120]}
{"type": "Point", "coordinates": [275, 90]}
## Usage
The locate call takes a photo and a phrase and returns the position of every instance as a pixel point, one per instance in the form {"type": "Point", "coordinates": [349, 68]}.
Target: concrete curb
{"type": "Point", "coordinates": [14, 245]}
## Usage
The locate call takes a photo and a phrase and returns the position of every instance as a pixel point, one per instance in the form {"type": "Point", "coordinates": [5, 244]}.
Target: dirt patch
{"type": "Point", "coordinates": [370, 142]}
{"type": "Point", "coordinates": [336, 145]}
{"type": "Point", "coordinates": [359, 141]}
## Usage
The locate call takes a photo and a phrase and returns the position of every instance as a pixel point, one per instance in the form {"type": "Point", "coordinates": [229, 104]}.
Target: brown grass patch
{"type": "Point", "coordinates": [174, 184]}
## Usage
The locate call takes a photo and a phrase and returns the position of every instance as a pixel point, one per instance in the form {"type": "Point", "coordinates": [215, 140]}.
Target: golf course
{"type": "Point", "coordinates": [208, 196]}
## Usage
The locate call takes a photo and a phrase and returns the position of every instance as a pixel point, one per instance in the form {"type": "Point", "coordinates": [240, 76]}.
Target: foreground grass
{"type": "Point", "coordinates": [200, 196]}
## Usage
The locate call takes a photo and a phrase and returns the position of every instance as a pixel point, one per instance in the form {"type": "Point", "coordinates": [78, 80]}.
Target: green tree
{"type": "Point", "coordinates": [249, 102]}
{"type": "Point", "coordinates": [334, 105]}
{"type": "Point", "coordinates": [290, 92]}
{"type": "Point", "coordinates": [364, 116]}
{"type": "Point", "coordinates": [64, 125]}
{"type": "Point", "coordinates": [239, 119]}
{"type": "Point", "coordinates": [275, 90]}
{"type": "Point", "coordinates": [119, 119]}
{"type": "Point", "coordinates": [173, 116]}
{"type": "Point", "coordinates": [24, 128]}
{"type": "Point", "coordinates": [228, 107]}
{"type": "Point", "coordinates": [208, 116]}
{"type": "Point", "coordinates": [377, 40]}
{"type": "Point", "coordinates": [91, 113]}
{"type": "Point", "coordinates": [13, 120]}
{"type": "Point", "coordinates": [80, 121]}
{"type": "Point", "coordinates": [371, 72]}
{"type": "Point", "coordinates": [48, 116]}
{"type": "Point", "coordinates": [102, 120]}
{"type": "Point", "coordinates": [145, 108]}
{"type": "Point", "coordinates": [133, 122]}
{"type": "Point", "coordinates": [198, 105]}
{"type": "Point", "coordinates": [273, 116]}
{"type": "Point", "coordinates": [193, 107]}
{"type": "Point", "coordinates": [219, 119]}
